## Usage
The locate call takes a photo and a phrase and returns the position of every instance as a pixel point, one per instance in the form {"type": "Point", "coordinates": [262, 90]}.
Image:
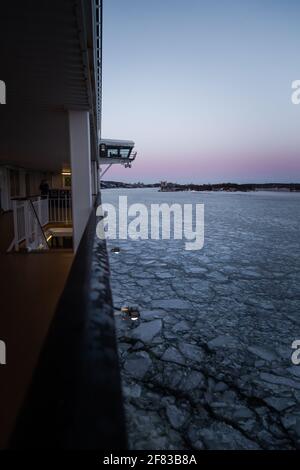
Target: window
{"type": "Point", "coordinates": [124, 152]}
{"type": "Point", "coordinates": [112, 152]}
{"type": "Point", "coordinates": [115, 151]}
{"type": "Point", "coordinates": [67, 183]}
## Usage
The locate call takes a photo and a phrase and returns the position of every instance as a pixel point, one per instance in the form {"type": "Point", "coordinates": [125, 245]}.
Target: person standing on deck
{"type": "Point", "coordinates": [44, 188]}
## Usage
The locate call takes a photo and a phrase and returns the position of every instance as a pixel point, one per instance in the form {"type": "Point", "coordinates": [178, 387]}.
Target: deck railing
{"type": "Point", "coordinates": [31, 215]}
{"type": "Point", "coordinates": [60, 210]}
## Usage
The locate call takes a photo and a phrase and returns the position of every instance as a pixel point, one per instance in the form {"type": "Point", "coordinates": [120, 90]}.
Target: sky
{"type": "Point", "coordinates": [203, 87]}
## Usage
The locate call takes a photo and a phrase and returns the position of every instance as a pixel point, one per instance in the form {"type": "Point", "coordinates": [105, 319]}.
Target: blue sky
{"type": "Point", "coordinates": [204, 88]}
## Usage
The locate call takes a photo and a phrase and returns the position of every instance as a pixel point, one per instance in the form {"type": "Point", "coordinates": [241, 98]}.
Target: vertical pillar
{"type": "Point", "coordinates": [95, 183]}
{"type": "Point", "coordinates": [80, 150]}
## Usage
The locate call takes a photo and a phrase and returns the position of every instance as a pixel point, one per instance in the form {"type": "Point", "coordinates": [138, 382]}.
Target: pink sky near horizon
{"type": "Point", "coordinates": [210, 104]}
{"type": "Point", "coordinates": [212, 169]}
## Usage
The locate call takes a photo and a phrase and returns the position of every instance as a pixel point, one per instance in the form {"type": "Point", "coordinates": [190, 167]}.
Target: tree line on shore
{"type": "Point", "coordinates": [230, 187]}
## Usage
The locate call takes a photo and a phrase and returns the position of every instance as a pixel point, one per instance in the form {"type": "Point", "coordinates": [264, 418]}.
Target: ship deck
{"type": "Point", "coordinates": [31, 285]}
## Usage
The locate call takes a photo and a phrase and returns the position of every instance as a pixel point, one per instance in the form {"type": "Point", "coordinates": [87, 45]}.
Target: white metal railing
{"type": "Point", "coordinates": [36, 239]}
{"type": "Point", "coordinates": [32, 215]}
{"type": "Point", "coordinates": [60, 210]}
{"type": "Point", "coordinates": [42, 209]}
{"type": "Point", "coordinates": [29, 218]}
{"type": "Point", "coordinates": [19, 222]}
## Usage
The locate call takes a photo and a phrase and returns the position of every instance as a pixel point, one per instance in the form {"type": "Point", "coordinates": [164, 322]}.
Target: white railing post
{"type": "Point", "coordinates": [50, 210]}
{"type": "Point", "coordinates": [36, 233]}
{"type": "Point", "coordinates": [47, 211]}
{"type": "Point", "coordinates": [39, 211]}
{"type": "Point", "coordinates": [16, 241]}
{"type": "Point", "coordinates": [58, 210]}
{"type": "Point", "coordinates": [27, 223]}
{"type": "Point", "coordinates": [55, 209]}
{"type": "Point", "coordinates": [65, 210]}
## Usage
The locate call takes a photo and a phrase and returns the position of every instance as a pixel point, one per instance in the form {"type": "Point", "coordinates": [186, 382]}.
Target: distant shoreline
{"type": "Point", "coordinates": [223, 187]}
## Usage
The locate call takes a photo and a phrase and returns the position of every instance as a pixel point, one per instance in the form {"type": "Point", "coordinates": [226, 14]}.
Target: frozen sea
{"type": "Point", "coordinates": [208, 365]}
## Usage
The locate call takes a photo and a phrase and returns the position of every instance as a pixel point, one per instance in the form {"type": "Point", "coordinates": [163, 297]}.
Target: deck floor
{"type": "Point", "coordinates": [30, 287]}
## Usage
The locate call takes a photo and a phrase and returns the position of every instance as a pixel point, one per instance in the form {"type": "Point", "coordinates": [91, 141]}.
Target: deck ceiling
{"type": "Point", "coordinates": [44, 61]}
